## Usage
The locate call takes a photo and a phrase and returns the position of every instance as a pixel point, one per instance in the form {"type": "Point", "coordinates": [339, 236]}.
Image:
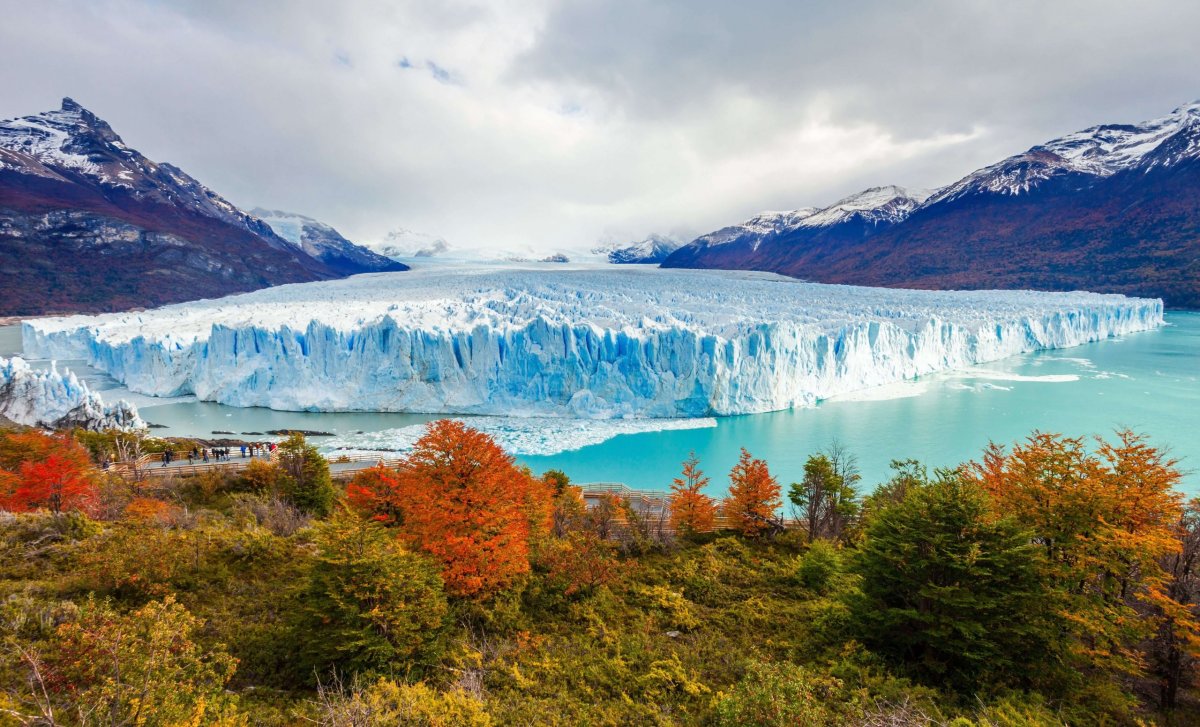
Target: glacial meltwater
{"type": "Point", "coordinates": [1149, 382]}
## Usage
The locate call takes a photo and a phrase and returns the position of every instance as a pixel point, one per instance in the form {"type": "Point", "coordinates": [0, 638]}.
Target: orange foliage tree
{"type": "Point", "coordinates": [376, 492]}
{"type": "Point", "coordinates": [1106, 521]}
{"type": "Point", "coordinates": [465, 502]}
{"type": "Point", "coordinates": [45, 471]}
{"type": "Point", "coordinates": [754, 496]}
{"type": "Point", "coordinates": [692, 511]}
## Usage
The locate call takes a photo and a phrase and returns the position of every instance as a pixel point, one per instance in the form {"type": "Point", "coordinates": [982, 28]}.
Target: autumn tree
{"type": "Point", "coordinates": [143, 667]}
{"type": "Point", "coordinates": [827, 498]}
{"type": "Point", "coordinates": [692, 511]}
{"type": "Point", "coordinates": [1175, 650]}
{"type": "Point", "coordinates": [371, 605]}
{"type": "Point", "coordinates": [34, 446]}
{"type": "Point", "coordinates": [1105, 522]}
{"type": "Point", "coordinates": [45, 472]}
{"type": "Point", "coordinates": [466, 503]}
{"type": "Point", "coordinates": [754, 496]}
{"type": "Point", "coordinates": [376, 492]}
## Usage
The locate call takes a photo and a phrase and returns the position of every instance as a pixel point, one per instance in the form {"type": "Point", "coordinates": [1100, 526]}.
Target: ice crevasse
{"type": "Point", "coordinates": [597, 343]}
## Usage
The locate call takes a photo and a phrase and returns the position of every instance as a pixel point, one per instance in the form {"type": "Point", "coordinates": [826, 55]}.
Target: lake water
{"type": "Point", "coordinates": [1149, 382]}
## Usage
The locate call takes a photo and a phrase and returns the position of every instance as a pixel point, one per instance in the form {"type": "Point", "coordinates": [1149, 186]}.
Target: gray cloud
{"type": "Point", "coordinates": [554, 122]}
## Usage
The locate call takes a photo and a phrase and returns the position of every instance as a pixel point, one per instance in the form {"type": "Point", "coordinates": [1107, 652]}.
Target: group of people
{"type": "Point", "coordinates": [220, 454]}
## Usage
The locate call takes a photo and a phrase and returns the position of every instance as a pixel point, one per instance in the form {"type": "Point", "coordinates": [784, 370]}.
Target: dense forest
{"type": "Point", "coordinates": [1050, 582]}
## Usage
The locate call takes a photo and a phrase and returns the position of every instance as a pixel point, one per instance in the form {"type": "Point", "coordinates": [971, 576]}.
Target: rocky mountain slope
{"type": "Point", "coordinates": [89, 224]}
{"type": "Point", "coordinates": [320, 241]}
{"type": "Point", "coordinates": [1113, 208]}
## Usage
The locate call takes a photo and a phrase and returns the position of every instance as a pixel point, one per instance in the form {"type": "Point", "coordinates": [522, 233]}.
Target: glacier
{"type": "Point", "coordinates": [52, 399]}
{"type": "Point", "coordinates": [574, 341]}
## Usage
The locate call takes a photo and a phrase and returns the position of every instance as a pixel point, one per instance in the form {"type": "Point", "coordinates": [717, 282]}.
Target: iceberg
{"type": "Point", "coordinates": [56, 400]}
{"type": "Point", "coordinates": [570, 341]}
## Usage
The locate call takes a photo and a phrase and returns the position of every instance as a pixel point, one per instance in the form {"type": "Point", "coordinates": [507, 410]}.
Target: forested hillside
{"type": "Point", "coordinates": [1050, 582]}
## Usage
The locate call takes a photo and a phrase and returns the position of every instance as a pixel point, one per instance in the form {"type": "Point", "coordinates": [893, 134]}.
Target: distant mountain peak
{"type": "Point", "coordinates": [323, 242]}
{"type": "Point", "coordinates": [1112, 208]}
{"type": "Point", "coordinates": [886, 204]}
{"type": "Point", "coordinates": [654, 248]}
{"type": "Point", "coordinates": [1097, 151]}
{"type": "Point", "coordinates": [116, 229]}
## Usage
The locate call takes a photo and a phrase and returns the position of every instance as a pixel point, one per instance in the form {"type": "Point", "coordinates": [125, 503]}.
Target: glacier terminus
{"type": "Point", "coordinates": [554, 340]}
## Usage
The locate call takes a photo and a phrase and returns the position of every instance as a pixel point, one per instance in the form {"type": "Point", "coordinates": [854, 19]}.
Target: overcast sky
{"type": "Point", "coordinates": [556, 124]}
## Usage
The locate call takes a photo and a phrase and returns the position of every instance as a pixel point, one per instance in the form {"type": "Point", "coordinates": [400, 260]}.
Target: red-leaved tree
{"type": "Point", "coordinates": [692, 511]}
{"type": "Point", "coordinates": [43, 471]}
{"type": "Point", "coordinates": [754, 496]}
{"type": "Point", "coordinates": [464, 501]}
{"type": "Point", "coordinates": [57, 484]}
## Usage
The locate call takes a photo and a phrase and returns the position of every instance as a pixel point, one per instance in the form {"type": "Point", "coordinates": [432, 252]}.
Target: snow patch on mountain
{"type": "Point", "coordinates": [1099, 151]}
{"type": "Point", "coordinates": [653, 249]}
{"type": "Point", "coordinates": [887, 205]}
{"type": "Point", "coordinates": [53, 399]}
{"type": "Point", "coordinates": [324, 243]}
{"type": "Point", "coordinates": [604, 342]}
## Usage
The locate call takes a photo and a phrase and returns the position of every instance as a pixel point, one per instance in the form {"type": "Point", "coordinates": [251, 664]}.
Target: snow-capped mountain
{"type": "Point", "coordinates": [326, 244]}
{"type": "Point", "coordinates": [653, 249]}
{"type": "Point", "coordinates": [72, 144]}
{"type": "Point", "coordinates": [877, 205]}
{"type": "Point", "coordinates": [1100, 151]}
{"type": "Point", "coordinates": [773, 235]}
{"type": "Point", "coordinates": [88, 223]}
{"type": "Point", "coordinates": [1115, 207]}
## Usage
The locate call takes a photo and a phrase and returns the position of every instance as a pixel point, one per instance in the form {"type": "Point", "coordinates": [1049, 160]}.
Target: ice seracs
{"type": "Point", "coordinates": [569, 341]}
{"type": "Point", "coordinates": [50, 398]}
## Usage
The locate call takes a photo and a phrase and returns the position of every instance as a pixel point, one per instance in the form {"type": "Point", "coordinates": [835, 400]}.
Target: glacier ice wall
{"type": "Point", "coordinates": [49, 398]}
{"type": "Point", "coordinates": [558, 341]}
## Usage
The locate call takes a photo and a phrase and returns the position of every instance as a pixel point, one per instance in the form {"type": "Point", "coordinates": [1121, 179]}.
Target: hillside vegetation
{"type": "Point", "coordinates": [1047, 583]}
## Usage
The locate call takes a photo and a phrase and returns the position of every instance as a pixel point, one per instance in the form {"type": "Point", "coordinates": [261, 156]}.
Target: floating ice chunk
{"type": "Point", "coordinates": [49, 398]}
{"type": "Point", "coordinates": [533, 436]}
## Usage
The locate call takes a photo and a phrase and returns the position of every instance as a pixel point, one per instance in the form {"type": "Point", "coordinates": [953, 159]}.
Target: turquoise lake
{"type": "Point", "coordinates": [1149, 382]}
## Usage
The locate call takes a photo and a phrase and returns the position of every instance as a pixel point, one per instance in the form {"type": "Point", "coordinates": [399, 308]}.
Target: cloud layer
{"type": "Point", "coordinates": [552, 124]}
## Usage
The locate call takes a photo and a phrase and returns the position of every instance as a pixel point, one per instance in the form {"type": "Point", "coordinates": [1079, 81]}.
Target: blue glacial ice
{"type": "Point", "coordinates": [562, 341]}
{"type": "Point", "coordinates": [54, 399]}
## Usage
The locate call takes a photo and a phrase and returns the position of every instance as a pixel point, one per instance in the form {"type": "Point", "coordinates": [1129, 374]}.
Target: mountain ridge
{"type": "Point", "coordinates": [87, 223]}
{"type": "Point", "coordinates": [1111, 208]}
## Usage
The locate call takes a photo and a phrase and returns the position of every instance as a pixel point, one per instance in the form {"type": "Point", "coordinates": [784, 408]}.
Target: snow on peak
{"type": "Point", "coordinates": [290, 225]}
{"type": "Point", "coordinates": [888, 204]}
{"type": "Point", "coordinates": [53, 138]}
{"type": "Point", "coordinates": [1099, 151]}
{"type": "Point", "coordinates": [756, 228]}
{"type": "Point", "coordinates": [653, 249]}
